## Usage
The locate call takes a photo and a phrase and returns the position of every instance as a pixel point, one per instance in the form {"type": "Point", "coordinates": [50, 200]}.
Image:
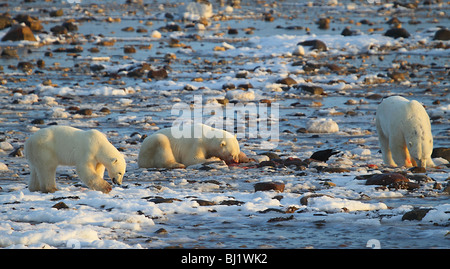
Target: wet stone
{"type": "Point", "coordinates": [386, 179]}
{"type": "Point", "coordinates": [269, 186]}
{"type": "Point", "coordinates": [416, 214]}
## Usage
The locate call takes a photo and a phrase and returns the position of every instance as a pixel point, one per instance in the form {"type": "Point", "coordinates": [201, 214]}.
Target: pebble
{"type": "Point", "coordinates": [269, 186]}
{"type": "Point", "coordinates": [397, 33]}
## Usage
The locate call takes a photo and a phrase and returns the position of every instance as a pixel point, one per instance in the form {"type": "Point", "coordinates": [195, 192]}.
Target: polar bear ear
{"type": "Point", "coordinates": [223, 144]}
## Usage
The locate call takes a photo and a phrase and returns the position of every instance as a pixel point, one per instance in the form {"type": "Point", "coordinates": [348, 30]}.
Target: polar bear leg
{"type": "Point", "coordinates": [33, 183]}
{"type": "Point", "coordinates": [399, 151]}
{"type": "Point", "coordinates": [384, 145]}
{"type": "Point", "coordinates": [46, 178]}
{"type": "Point", "coordinates": [88, 175]}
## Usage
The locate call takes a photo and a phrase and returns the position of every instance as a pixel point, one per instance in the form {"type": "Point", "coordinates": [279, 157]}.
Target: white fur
{"type": "Point", "coordinates": [404, 133]}
{"type": "Point", "coordinates": [200, 143]}
{"type": "Point", "coordinates": [89, 151]}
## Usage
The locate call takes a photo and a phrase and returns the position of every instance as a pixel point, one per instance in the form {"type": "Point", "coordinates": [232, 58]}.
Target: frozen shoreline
{"type": "Point", "coordinates": [216, 206]}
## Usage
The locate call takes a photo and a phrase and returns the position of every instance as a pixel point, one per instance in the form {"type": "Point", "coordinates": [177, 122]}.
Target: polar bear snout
{"type": "Point", "coordinates": [117, 181]}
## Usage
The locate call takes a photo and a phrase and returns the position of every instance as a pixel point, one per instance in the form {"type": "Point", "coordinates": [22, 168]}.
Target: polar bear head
{"type": "Point", "coordinates": [229, 150]}
{"type": "Point", "coordinates": [420, 147]}
{"type": "Point", "coordinates": [116, 169]}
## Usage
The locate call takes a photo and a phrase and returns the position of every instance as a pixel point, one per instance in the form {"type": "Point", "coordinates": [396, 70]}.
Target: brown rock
{"type": "Point", "coordinates": [386, 179]}
{"type": "Point", "coordinates": [56, 13]}
{"type": "Point", "coordinates": [397, 33]}
{"type": "Point", "coordinates": [304, 199]}
{"type": "Point", "coordinates": [335, 170]}
{"type": "Point", "coordinates": [442, 34]}
{"type": "Point", "coordinates": [18, 33]}
{"type": "Point", "coordinates": [441, 152]}
{"type": "Point", "coordinates": [416, 214]}
{"type": "Point", "coordinates": [129, 49]}
{"type": "Point", "coordinates": [5, 21]}
{"type": "Point", "coordinates": [287, 81]}
{"type": "Point", "coordinates": [60, 205]}
{"type": "Point", "coordinates": [324, 23]}
{"type": "Point", "coordinates": [158, 74]}
{"type": "Point", "coordinates": [315, 44]}
{"type": "Point", "coordinates": [268, 186]}
{"type": "Point", "coordinates": [34, 23]}
{"type": "Point", "coordinates": [312, 89]}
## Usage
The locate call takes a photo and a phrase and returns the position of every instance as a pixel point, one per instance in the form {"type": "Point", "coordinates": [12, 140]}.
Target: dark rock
{"type": "Point", "coordinates": [397, 33]}
{"type": "Point", "coordinates": [9, 53]}
{"type": "Point", "coordinates": [386, 179]}
{"type": "Point", "coordinates": [70, 26]}
{"type": "Point", "coordinates": [268, 186]}
{"type": "Point", "coordinates": [34, 23]}
{"type": "Point", "coordinates": [416, 214]}
{"type": "Point", "coordinates": [19, 33]}
{"type": "Point", "coordinates": [442, 34]}
{"type": "Point", "coordinates": [158, 74]}
{"type": "Point", "coordinates": [5, 22]}
{"type": "Point", "coordinates": [129, 49]}
{"type": "Point", "coordinates": [232, 31]}
{"type": "Point", "coordinates": [324, 23]}
{"type": "Point", "coordinates": [304, 199]}
{"type": "Point", "coordinates": [24, 66]}
{"type": "Point", "coordinates": [348, 32]}
{"type": "Point", "coordinates": [231, 202]}
{"type": "Point", "coordinates": [287, 81]}
{"type": "Point", "coordinates": [204, 202]}
{"type": "Point", "coordinates": [335, 170]}
{"type": "Point", "coordinates": [314, 44]}
{"type": "Point", "coordinates": [312, 89]}
{"type": "Point", "coordinates": [85, 111]}
{"type": "Point", "coordinates": [397, 76]}
{"type": "Point", "coordinates": [60, 205]}
{"type": "Point", "coordinates": [392, 180]}
{"type": "Point", "coordinates": [442, 153]}
{"type": "Point", "coordinates": [161, 231]}
{"type": "Point", "coordinates": [56, 13]}
{"type": "Point", "coordinates": [59, 30]}
{"type": "Point", "coordinates": [323, 155]}
{"type": "Point", "coordinates": [271, 155]}
{"type": "Point", "coordinates": [37, 121]}
{"type": "Point", "coordinates": [163, 200]}
{"type": "Point", "coordinates": [277, 219]}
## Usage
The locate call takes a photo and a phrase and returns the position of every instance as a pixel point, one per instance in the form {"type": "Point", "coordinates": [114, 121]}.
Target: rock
{"type": "Point", "coordinates": [397, 33]}
{"type": "Point", "coordinates": [324, 23]}
{"type": "Point", "coordinates": [129, 49]}
{"type": "Point", "coordinates": [397, 76]}
{"type": "Point", "coordinates": [161, 231]}
{"type": "Point", "coordinates": [9, 53]}
{"type": "Point", "coordinates": [416, 214]}
{"type": "Point", "coordinates": [34, 23]}
{"type": "Point", "coordinates": [348, 32]}
{"type": "Point", "coordinates": [19, 33]}
{"type": "Point", "coordinates": [335, 170]}
{"type": "Point", "coordinates": [25, 66]}
{"type": "Point", "coordinates": [268, 186]}
{"type": "Point", "coordinates": [160, 200]}
{"type": "Point", "coordinates": [386, 179]}
{"type": "Point", "coordinates": [314, 44]}
{"type": "Point", "coordinates": [441, 153]}
{"type": "Point", "coordinates": [442, 34]}
{"type": "Point", "coordinates": [232, 31]}
{"type": "Point", "coordinates": [287, 81]}
{"type": "Point", "coordinates": [56, 13]}
{"type": "Point", "coordinates": [299, 51]}
{"type": "Point", "coordinates": [304, 199]}
{"type": "Point", "coordinates": [315, 90]}
{"type": "Point", "coordinates": [5, 22]}
{"type": "Point", "coordinates": [231, 202]}
{"type": "Point", "coordinates": [70, 26]}
{"type": "Point", "coordinates": [85, 111]}
{"type": "Point", "coordinates": [158, 74]}
{"type": "Point", "coordinates": [59, 30]}
{"type": "Point", "coordinates": [323, 155]}
{"type": "Point", "coordinates": [60, 205]}
{"type": "Point", "coordinates": [204, 202]}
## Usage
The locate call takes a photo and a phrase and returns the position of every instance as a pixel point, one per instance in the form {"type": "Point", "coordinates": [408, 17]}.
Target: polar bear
{"type": "Point", "coordinates": [404, 133]}
{"type": "Point", "coordinates": [89, 151]}
{"type": "Point", "coordinates": [179, 147]}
